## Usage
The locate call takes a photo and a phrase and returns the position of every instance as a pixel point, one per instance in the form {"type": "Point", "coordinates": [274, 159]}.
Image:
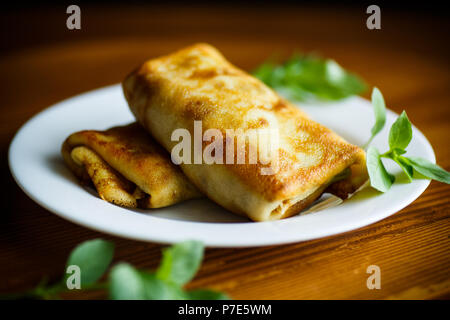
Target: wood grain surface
{"type": "Point", "coordinates": [42, 63]}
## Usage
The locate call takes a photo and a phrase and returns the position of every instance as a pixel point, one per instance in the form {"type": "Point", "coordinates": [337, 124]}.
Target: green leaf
{"type": "Point", "coordinates": [307, 77]}
{"type": "Point", "coordinates": [126, 283]}
{"type": "Point", "coordinates": [93, 258]}
{"type": "Point", "coordinates": [204, 294]}
{"type": "Point", "coordinates": [180, 262]}
{"type": "Point", "coordinates": [429, 169]}
{"type": "Point", "coordinates": [380, 179]}
{"type": "Point", "coordinates": [265, 73]}
{"type": "Point", "coordinates": [379, 109]}
{"type": "Point", "coordinates": [405, 165]}
{"type": "Point", "coordinates": [401, 132]}
{"type": "Point", "coordinates": [157, 289]}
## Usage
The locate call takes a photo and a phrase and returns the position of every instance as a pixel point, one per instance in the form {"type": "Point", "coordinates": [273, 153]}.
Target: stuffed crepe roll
{"type": "Point", "coordinates": [198, 85]}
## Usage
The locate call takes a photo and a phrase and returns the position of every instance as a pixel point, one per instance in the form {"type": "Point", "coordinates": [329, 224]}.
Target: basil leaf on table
{"type": "Point", "coordinates": [93, 258]}
{"type": "Point", "coordinates": [179, 265]}
{"type": "Point", "coordinates": [429, 169]}
{"type": "Point", "coordinates": [128, 283]}
{"type": "Point", "coordinates": [157, 289]}
{"type": "Point", "coordinates": [125, 283]}
{"type": "Point", "coordinates": [181, 262]}
{"type": "Point", "coordinates": [380, 179]}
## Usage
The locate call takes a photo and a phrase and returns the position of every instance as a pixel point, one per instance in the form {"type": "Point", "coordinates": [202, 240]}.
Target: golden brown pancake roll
{"type": "Point", "coordinates": [198, 84]}
{"type": "Point", "coordinates": [127, 167]}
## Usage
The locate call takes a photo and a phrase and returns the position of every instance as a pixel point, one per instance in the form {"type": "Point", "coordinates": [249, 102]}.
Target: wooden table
{"type": "Point", "coordinates": [42, 63]}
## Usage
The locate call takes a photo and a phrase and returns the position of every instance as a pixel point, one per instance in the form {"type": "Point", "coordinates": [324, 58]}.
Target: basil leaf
{"type": "Point", "coordinates": [401, 132]}
{"type": "Point", "coordinates": [405, 165]}
{"type": "Point", "coordinates": [306, 77]}
{"type": "Point", "coordinates": [429, 169]}
{"type": "Point", "coordinates": [180, 262]}
{"type": "Point", "coordinates": [126, 283]}
{"type": "Point", "coordinates": [380, 179]}
{"type": "Point", "coordinates": [93, 258]}
{"type": "Point", "coordinates": [204, 294]}
{"type": "Point", "coordinates": [265, 73]}
{"type": "Point", "coordinates": [157, 289]}
{"type": "Point", "coordinates": [379, 110]}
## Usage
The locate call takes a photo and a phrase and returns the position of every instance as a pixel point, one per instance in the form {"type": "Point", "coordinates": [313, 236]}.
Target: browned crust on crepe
{"type": "Point", "coordinates": [127, 167]}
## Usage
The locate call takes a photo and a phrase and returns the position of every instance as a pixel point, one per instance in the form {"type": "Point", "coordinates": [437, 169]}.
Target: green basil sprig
{"type": "Point", "coordinates": [308, 77]}
{"type": "Point", "coordinates": [400, 135]}
{"type": "Point", "coordinates": [179, 265]}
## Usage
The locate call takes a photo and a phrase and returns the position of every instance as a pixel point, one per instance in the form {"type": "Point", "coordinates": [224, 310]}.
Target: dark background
{"type": "Point", "coordinates": [25, 24]}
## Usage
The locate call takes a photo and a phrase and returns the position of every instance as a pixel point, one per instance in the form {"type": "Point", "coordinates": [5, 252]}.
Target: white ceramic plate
{"type": "Point", "coordinates": [38, 168]}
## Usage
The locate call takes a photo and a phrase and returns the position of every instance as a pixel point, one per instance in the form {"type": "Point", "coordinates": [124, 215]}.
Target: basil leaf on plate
{"type": "Point", "coordinates": [379, 110]}
{"type": "Point", "coordinates": [93, 258]}
{"type": "Point", "coordinates": [401, 132]}
{"type": "Point", "coordinates": [380, 179]}
{"type": "Point", "coordinates": [429, 169]}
